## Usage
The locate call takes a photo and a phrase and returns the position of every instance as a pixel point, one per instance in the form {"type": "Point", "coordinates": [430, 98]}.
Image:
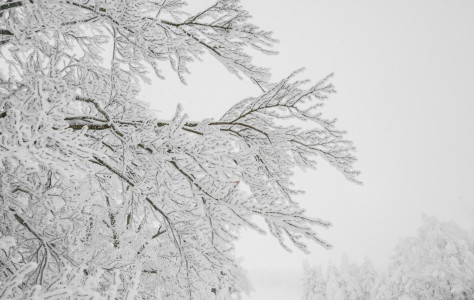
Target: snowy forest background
{"type": "Point", "coordinates": [404, 73]}
{"type": "Point", "coordinates": [436, 264]}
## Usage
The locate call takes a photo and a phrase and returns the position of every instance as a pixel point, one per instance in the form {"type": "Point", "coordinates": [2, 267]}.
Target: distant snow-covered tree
{"type": "Point", "coordinates": [348, 282]}
{"type": "Point", "coordinates": [99, 195]}
{"type": "Point", "coordinates": [437, 264]}
{"type": "Point", "coordinates": [314, 283]}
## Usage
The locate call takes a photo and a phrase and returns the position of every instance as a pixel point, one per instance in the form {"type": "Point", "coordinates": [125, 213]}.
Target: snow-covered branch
{"type": "Point", "coordinates": [104, 199]}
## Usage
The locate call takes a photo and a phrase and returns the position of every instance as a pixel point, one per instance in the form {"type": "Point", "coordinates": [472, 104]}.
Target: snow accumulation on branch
{"type": "Point", "coordinates": [101, 198]}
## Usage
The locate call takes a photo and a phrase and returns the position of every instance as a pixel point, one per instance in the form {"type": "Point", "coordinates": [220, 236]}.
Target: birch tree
{"type": "Point", "coordinates": [101, 198]}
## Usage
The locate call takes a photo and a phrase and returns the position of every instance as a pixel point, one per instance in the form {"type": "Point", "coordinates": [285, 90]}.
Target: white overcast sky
{"type": "Point", "coordinates": [405, 80]}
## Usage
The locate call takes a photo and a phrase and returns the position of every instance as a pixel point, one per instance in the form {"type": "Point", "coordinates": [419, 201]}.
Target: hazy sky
{"type": "Point", "coordinates": [405, 81]}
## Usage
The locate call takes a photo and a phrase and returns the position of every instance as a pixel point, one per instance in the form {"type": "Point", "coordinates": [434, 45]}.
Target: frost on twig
{"type": "Point", "coordinates": [101, 198]}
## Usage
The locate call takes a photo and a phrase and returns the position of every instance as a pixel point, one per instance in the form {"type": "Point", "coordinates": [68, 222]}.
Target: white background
{"type": "Point", "coordinates": [405, 81]}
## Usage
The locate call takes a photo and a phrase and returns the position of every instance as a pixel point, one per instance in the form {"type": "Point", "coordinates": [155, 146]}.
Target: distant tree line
{"type": "Point", "coordinates": [436, 264]}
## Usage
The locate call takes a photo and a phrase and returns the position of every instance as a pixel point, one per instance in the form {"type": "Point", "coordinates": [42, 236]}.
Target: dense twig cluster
{"type": "Point", "coordinates": [90, 178]}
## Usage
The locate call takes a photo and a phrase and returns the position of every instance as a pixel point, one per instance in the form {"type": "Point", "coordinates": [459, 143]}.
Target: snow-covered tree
{"type": "Point", "coordinates": [438, 264]}
{"type": "Point", "coordinates": [348, 282]}
{"type": "Point", "coordinates": [101, 197]}
{"type": "Point", "coordinates": [314, 283]}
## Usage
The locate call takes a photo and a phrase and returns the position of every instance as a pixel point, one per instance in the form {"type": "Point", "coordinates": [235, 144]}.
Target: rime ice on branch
{"type": "Point", "coordinates": [91, 180]}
